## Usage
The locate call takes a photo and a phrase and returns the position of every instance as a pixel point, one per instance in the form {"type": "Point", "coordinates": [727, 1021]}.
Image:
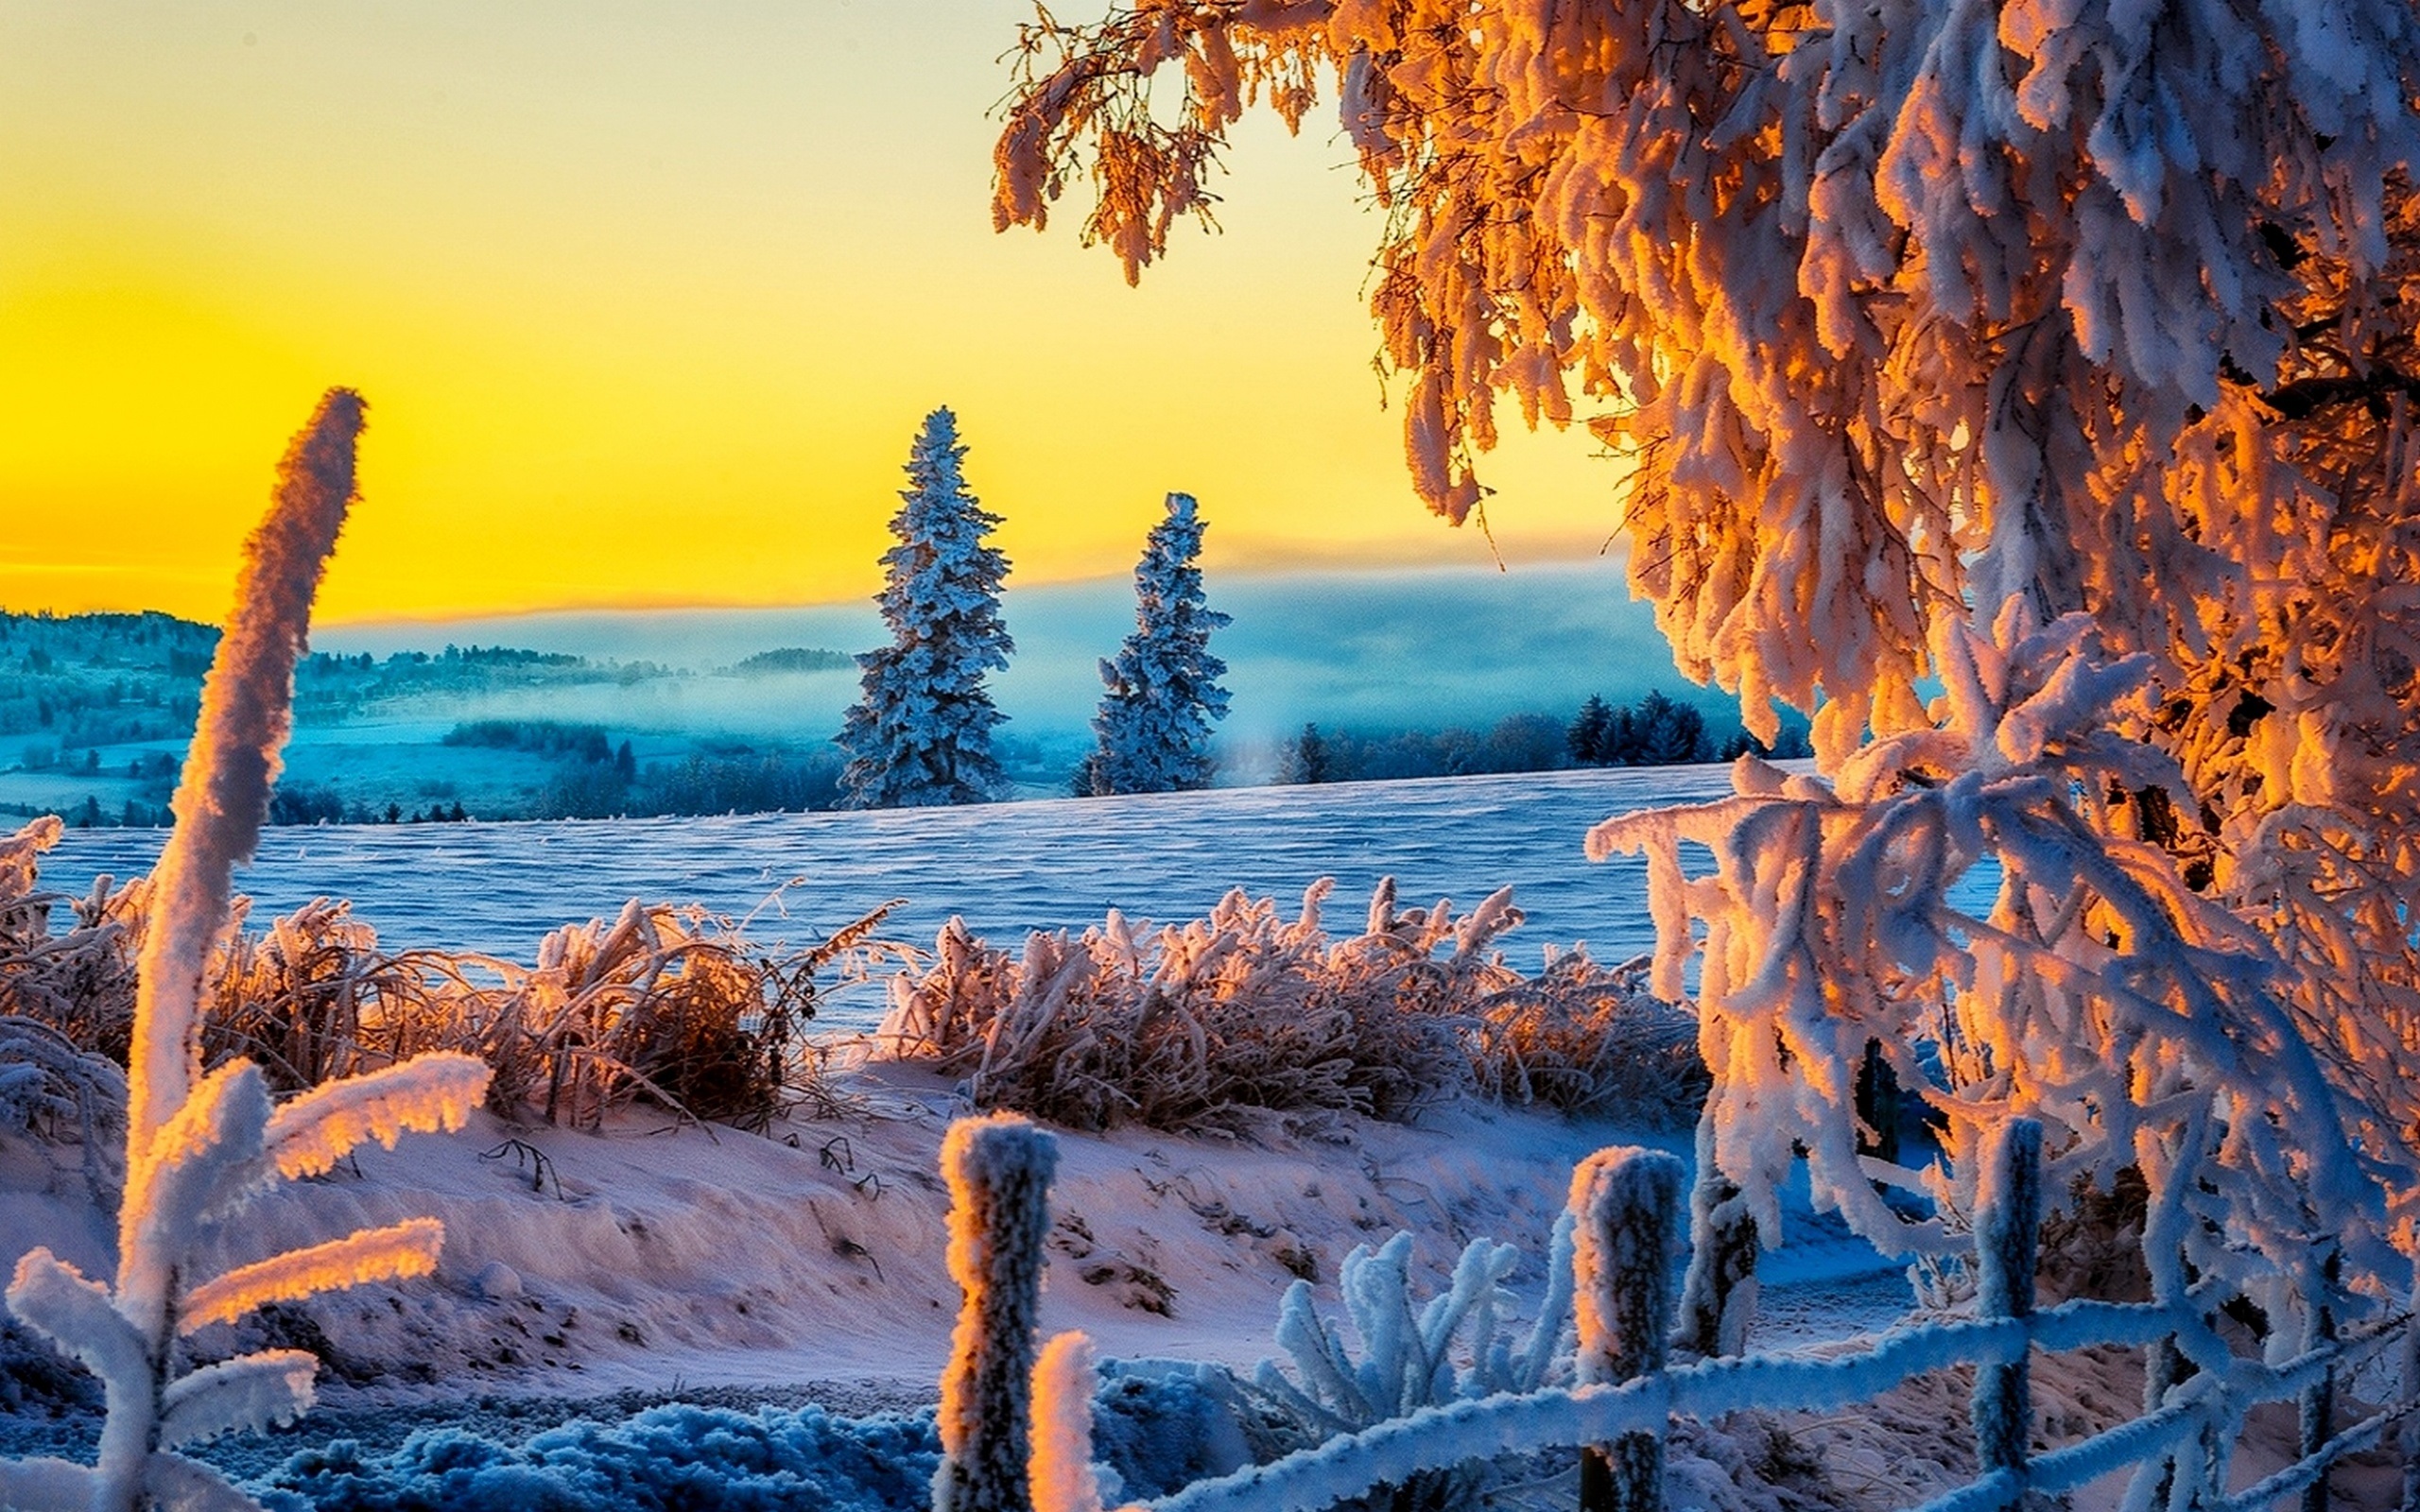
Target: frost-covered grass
{"type": "Point", "coordinates": [1249, 1011]}
{"type": "Point", "coordinates": [673, 1005]}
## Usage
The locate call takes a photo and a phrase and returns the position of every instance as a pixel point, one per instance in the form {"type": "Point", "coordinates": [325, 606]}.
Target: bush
{"type": "Point", "coordinates": [668, 1005]}
{"type": "Point", "coordinates": [1244, 1010]}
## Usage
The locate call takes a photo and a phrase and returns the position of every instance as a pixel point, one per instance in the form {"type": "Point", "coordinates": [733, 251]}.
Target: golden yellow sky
{"type": "Point", "coordinates": [647, 300]}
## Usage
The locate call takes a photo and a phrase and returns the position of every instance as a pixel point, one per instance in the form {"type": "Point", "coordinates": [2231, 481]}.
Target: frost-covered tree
{"type": "Point", "coordinates": [2055, 356]}
{"type": "Point", "coordinates": [1154, 721]}
{"type": "Point", "coordinates": [920, 733]}
{"type": "Point", "coordinates": [200, 1146]}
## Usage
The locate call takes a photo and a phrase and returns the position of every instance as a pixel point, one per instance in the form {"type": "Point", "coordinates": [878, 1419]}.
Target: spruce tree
{"type": "Point", "coordinates": [920, 733]}
{"type": "Point", "coordinates": [1586, 736]}
{"type": "Point", "coordinates": [1163, 686]}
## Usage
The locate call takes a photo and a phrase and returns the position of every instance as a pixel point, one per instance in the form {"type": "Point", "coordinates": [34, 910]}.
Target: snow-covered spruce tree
{"type": "Point", "coordinates": [920, 733]}
{"type": "Point", "coordinates": [1154, 721]}
{"type": "Point", "coordinates": [200, 1146]}
{"type": "Point", "coordinates": [2062, 354]}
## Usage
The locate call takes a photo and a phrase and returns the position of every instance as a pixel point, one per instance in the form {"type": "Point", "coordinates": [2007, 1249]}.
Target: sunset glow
{"type": "Point", "coordinates": [646, 305]}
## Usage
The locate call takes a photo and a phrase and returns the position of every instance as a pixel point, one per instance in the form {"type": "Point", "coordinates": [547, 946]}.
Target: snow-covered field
{"type": "Point", "coordinates": [789, 1280]}
{"type": "Point", "coordinates": [497, 888]}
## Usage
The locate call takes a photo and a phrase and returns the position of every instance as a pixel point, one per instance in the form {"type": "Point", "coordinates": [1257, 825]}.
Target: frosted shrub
{"type": "Point", "coordinates": [307, 999]}
{"type": "Point", "coordinates": [1456, 1346]}
{"type": "Point", "coordinates": [668, 1005]}
{"type": "Point", "coordinates": [45, 1080]}
{"type": "Point", "coordinates": [1248, 1009]}
{"type": "Point", "coordinates": [200, 1146]}
{"type": "Point", "coordinates": [48, 1087]}
{"type": "Point", "coordinates": [81, 983]}
{"type": "Point", "coordinates": [1586, 1039]}
{"type": "Point", "coordinates": [671, 1006]}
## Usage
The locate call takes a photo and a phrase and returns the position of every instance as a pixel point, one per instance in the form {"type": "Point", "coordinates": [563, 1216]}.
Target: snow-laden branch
{"type": "Point", "coordinates": [2144, 1025]}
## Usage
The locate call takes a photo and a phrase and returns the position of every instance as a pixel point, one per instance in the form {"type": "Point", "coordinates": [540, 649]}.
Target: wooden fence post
{"type": "Point", "coordinates": [999, 1171]}
{"type": "Point", "coordinates": [1718, 1295]}
{"type": "Point", "coordinates": [2318, 1405]}
{"type": "Point", "coordinates": [1625, 1205]}
{"type": "Point", "coordinates": [2007, 1241]}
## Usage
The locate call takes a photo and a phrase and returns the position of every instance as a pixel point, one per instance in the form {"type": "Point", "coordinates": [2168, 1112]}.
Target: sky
{"type": "Point", "coordinates": [646, 301]}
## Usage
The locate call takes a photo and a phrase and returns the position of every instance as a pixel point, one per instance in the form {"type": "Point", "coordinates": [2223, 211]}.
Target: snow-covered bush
{"type": "Point", "coordinates": [1247, 1009]}
{"type": "Point", "coordinates": [1587, 1038]}
{"type": "Point", "coordinates": [999, 1170]}
{"type": "Point", "coordinates": [81, 982]}
{"type": "Point", "coordinates": [922, 731]}
{"type": "Point", "coordinates": [668, 1005]}
{"type": "Point", "coordinates": [200, 1146]}
{"type": "Point", "coordinates": [1154, 721]}
{"type": "Point", "coordinates": [671, 1006]}
{"type": "Point", "coordinates": [48, 1087]}
{"type": "Point", "coordinates": [1456, 1346]}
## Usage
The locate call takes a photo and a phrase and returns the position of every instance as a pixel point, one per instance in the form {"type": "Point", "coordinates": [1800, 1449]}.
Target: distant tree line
{"type": "Point", "coordinates": [793, 659]}
{"type": "Point", "coordinates": [1657, 730]}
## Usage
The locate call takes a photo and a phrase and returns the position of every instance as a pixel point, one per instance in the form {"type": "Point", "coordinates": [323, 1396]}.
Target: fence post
{"type": "Point", "coordinates": [1718, 1295]}
{"type": "Point", "coordinates": [2007, 1238]}
{"type": "Point", "coordinates": [2408, 1360]}
{"type": "Point", "coordinates": [2318, 1405]}
{"type": "Point", "coordinates": [999, 1171]}
{"type": "Point", "coordinates": [1626, 1206]}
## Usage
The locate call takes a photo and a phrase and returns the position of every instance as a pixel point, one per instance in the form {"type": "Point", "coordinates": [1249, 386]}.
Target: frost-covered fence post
{"type": "Point", "coordinates": [1718, 1295]}
{"type": "Point", "coordinates": [2318, 1405]}
{"type": "Point", "coordinates": [2408, 1362]}
{"type": "Point", "coordinates": [1626, 1206]}
{"type": "Point", "coordinates": [998, 1169]}
{"type": "Point", "coordinates": [1063, 1478]}
{"type": "Point", "coordinates": [2008, 1231]}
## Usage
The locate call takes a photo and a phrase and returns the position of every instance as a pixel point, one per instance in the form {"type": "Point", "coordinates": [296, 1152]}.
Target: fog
{"type": "Point", "coordinates": [1404, 649]}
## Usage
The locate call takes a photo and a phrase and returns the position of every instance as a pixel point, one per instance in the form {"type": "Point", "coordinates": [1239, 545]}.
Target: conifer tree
{"type": "Point", "coordinates": [1586, 735]}
{"type": "Point", "coordinates": [1164, 692]}
{"type": "Point", "coordinates": [921, 733]}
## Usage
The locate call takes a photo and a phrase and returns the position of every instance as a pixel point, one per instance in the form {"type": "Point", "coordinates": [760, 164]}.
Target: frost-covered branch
{"type": "Point", "coordinates": [2141, 1023]}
